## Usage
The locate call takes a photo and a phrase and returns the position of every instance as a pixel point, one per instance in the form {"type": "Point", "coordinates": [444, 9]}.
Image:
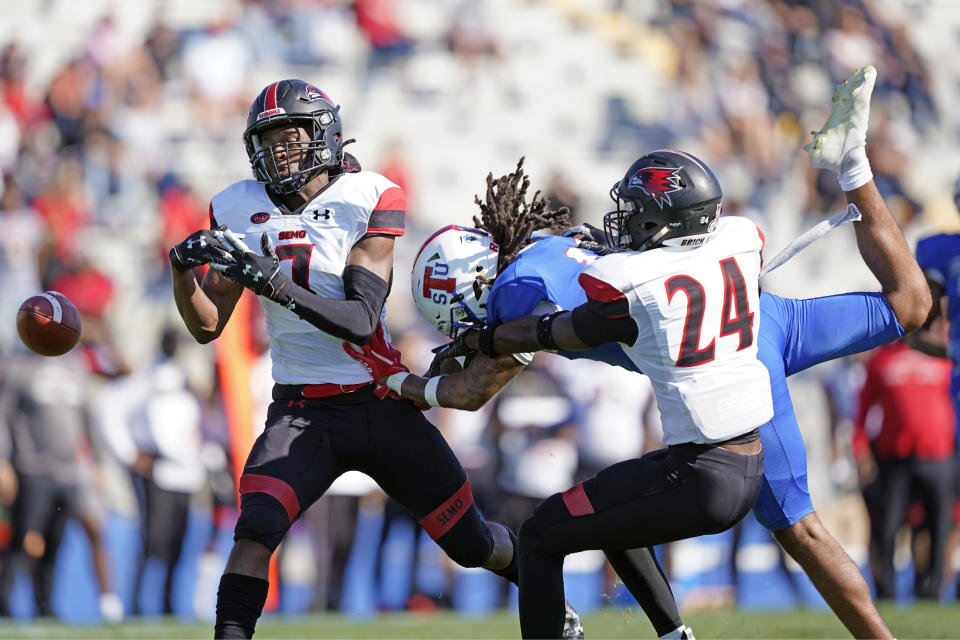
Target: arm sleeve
{"type": "Point", "coordinates": [605, 316]}
{"type": "Point", "coordinates": [353, 319]}
{"type": "Point", "coordinates": [836, 326]}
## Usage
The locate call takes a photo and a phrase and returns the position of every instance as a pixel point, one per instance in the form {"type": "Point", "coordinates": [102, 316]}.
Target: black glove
{"type": "Point", "coordinates": [199, 248]}
{"type": "Point", "coordinates": [260, 274]}
{"type": "Point", "coordinates": [447, 351]}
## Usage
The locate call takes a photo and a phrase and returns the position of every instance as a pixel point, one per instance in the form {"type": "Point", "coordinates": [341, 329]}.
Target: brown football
{"type": "Point", "coordinates": [48, 323]}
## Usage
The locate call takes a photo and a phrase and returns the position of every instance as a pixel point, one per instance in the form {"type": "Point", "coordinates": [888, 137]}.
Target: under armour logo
{"type": "Point", "coordinates": [247, 271]}
{"type": "Point", "coordinates": [200, 242]}
{"type": "Point", "coordinates": [325, 214]}
{"type": "Point", "coordinates": [296, 403]}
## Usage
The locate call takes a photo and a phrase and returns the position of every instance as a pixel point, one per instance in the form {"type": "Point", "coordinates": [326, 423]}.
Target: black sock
{"type": "Point", "coordinates": [511, 572]}
{"type": "Point", "coordinates": [240, 601]}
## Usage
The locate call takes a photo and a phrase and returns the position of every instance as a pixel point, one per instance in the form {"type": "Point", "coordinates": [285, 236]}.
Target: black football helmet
{"type": "Point", "coordinates": [294, 102]}
{"type": "Point", "coordinates": [667, 197]}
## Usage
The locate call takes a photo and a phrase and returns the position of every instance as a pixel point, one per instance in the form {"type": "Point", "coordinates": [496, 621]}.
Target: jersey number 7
{"type": "Point", "coordinates": [734, 302]}
{"type": "Point", "coordinates": [299, 254]}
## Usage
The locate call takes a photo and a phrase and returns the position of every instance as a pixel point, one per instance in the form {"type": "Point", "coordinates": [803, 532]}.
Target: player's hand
{"type": "Point", "coordinates": [380, 358]}
{"type": "Point", "coordinates": [446, 352]}
{"type": "Point", "coordinates": [199, 248]}
{"type": "Point", "coordinates": [259, 273]}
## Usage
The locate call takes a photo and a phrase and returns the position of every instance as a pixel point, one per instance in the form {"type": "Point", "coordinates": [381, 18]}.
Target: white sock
{"type": "Point", "coordinates": [854, 169]}
{"type": "Point", "coordinates": [676, 634]}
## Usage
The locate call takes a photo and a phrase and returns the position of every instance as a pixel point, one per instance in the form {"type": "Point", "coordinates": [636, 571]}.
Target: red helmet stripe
{"type": "Point", "coordinates": [270, 102]}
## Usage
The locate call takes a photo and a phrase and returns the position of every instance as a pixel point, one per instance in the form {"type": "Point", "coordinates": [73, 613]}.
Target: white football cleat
{"type": "Point", "coordinates": [572, 626]}
{"type": "Point", "coordinates": [846, 127]}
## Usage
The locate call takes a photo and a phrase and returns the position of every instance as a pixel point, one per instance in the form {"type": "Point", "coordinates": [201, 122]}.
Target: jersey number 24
{"type": "Point", "coordinates": [736, 316]}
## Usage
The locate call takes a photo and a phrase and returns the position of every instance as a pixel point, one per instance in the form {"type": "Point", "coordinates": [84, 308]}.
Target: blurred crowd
{"type": "Point", "coordinates": [115, 136]}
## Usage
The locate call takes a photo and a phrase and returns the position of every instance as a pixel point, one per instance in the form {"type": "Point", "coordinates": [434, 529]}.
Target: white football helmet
{"type": "Point", "coordinates": [444, 278]}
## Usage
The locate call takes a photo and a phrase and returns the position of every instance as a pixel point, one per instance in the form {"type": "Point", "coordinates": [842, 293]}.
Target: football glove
{"type": "Point", "coordinates": [259, 273]}
{"type": "Point", "coordinates": [200, 248]}
{"type": "Point", "coordinates": [381, 360]}
{"type": "Point", "coordinates": [445, 352]}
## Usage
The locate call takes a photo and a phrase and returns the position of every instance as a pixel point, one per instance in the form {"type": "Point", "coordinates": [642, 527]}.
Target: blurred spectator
{"type": "Point", "coordinates": [905, 428]}
{"type": "Point", "coordinates": [378, 23]}
{"type": "Point", "coordinates": [151, 423]}
{"type": "Point", "coordinates": [532, 424]}
{"type": "Point", "coordinates": [471, 33]}
{"type": "Point", "coordinates": [44, 426]}
{"type": "Point", "coordinates": [560, 194]}
{"type": "Point", "coordinates": [21, 234]}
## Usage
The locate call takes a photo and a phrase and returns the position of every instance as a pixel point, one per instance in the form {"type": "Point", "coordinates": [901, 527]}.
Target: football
{"type": "Point", "coordinates": [48, 323]}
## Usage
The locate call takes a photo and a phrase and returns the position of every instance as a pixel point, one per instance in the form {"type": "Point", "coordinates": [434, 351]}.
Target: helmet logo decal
{"type": "Point", "coordinates": [270, 112]}
{"type": "Point", "coordinates": [312, 93]}
{"type": "Point", "coordinates": [441, 284]}
{"type": "Point", "coordinates": [658, 183]}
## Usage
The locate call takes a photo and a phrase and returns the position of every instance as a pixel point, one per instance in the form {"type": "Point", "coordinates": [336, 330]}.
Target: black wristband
{"type": "Point", "coordinates": [486, 340]}
{"type": "Point", "coordinates": [545, 331]}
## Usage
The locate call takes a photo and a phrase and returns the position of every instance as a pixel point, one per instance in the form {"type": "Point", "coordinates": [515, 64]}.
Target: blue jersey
{"type": "Point", "coordinates": [939, 258]}
{"type": "Point", "coordinates": [548, 270]}
{"type": "Point", "coordinates": [794, 335]}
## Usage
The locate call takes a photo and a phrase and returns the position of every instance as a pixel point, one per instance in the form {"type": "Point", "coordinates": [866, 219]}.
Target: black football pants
{"type": "Point", "coordinates": [670, 494]}
{"type": "Point", "coordinates": [307, 444]}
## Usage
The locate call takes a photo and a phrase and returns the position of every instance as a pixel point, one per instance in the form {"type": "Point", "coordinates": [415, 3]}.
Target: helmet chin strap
{"type": "Point", "coordinates": [654, 239]}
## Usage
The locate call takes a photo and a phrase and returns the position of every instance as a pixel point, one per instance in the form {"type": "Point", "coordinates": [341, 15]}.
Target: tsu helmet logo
{"type": "Point", "coordinates": [658, 183]}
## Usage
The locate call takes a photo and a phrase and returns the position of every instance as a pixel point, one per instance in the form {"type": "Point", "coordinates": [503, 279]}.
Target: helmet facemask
{"type": "Point", "coordinates": [310, 155]}
{"type": "Point", "coordinates": [625, 228]}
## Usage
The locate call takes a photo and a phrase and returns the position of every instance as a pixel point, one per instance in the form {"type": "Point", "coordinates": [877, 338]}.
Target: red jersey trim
{"type": "Point", "coordinates": [441, 520]}
{"type": "Point", "coordinates": [391, 200]}
{"type": "Point", "coordinates": [599, 290]}
{"type": "Point", "coordinates": [386, 232]}
{"type": "Point", "coordinates": [275, 487]}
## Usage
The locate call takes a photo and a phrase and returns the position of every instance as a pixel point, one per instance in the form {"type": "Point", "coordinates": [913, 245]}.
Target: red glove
{"type": "Point", "coordinates": [380, 358]}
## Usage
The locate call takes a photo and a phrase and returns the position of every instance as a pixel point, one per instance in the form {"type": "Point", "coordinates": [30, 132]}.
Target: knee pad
{"type": "Point", "coordinates": [263, 519]}
{"type": "Point", "coordinates": [469, 542]}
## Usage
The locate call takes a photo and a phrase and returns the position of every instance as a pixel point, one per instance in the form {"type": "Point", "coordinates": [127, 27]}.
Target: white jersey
{"type": "Point", "coordinates": [697, 313]}
{"type": "Point", "coordinates": [312, 245]}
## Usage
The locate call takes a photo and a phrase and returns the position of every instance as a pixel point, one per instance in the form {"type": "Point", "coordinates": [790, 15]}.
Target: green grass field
{"type": "Point", "coordinates": [921, 621]}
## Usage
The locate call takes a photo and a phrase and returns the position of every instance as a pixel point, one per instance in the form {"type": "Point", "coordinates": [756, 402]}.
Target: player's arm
{"type": "Point", "coordinates": [205, 307]}
{"type": "Point", "coordinates": [468, 389]}
{"type": "Point", "coordinates": [886, 254]}
{"type": "Point", "coordinates": [366, 283]}
{"type": "Point", "coordinates": [592, 324]}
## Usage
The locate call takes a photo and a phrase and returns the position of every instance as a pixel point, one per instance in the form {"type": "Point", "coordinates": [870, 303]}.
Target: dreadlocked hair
{"type": "Point", "coordinates": [510, 219]}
